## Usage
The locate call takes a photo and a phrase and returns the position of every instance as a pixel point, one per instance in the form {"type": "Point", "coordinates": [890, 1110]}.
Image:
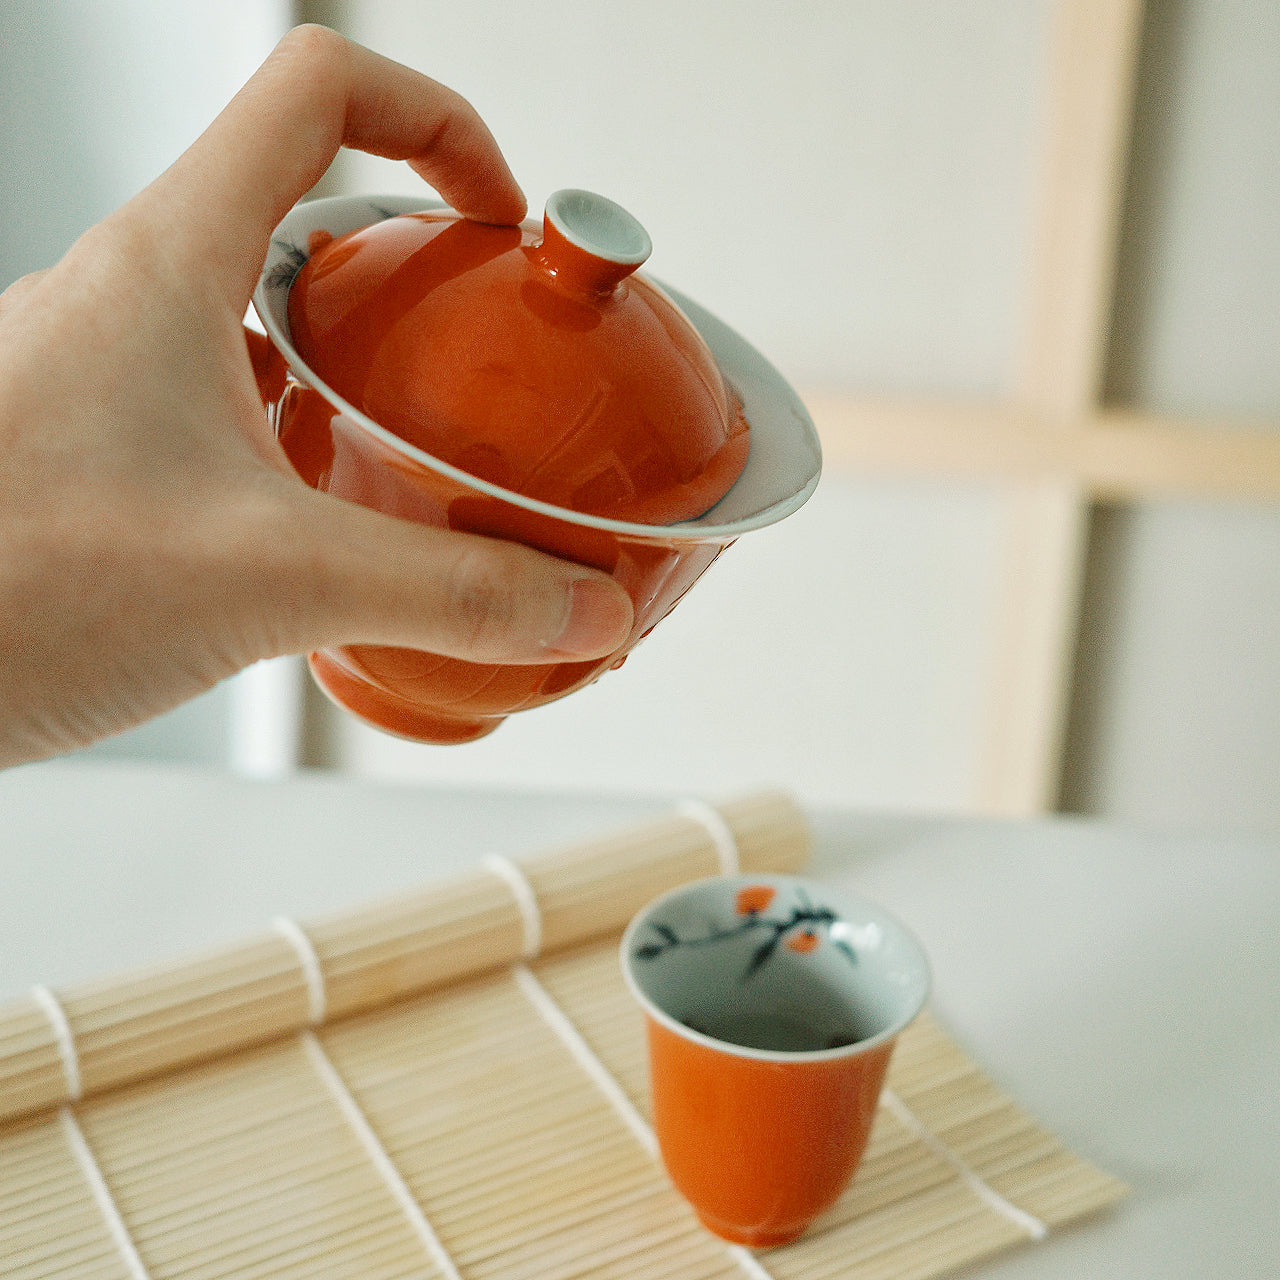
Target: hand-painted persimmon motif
{"type": "Point", "coordinates": [803, 943]}
{"type": "Point", "coordinates": [802, 930]}
{"type": "Point", "coordinates": [754, 899]}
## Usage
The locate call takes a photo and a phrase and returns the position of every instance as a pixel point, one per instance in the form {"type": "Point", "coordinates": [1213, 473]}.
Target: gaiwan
{"type": "Point", "coordinates": [525, 383]}
{"type": "Point", "coordinates": [532, 357]}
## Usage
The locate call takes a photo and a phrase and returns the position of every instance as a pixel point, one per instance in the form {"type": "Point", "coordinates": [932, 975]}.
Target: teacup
{"type": "Point", "coordinates": [772, 1006]}
{"type": "Point", "coordinates": [339, 449]}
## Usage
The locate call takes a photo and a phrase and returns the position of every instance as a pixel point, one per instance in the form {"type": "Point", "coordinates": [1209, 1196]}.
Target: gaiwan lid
{"type": "Point", "coordinates": [528, 356]}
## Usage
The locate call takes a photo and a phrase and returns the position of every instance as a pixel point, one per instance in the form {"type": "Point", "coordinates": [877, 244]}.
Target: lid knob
{"type": "Point", "coordinates": [590, 243]}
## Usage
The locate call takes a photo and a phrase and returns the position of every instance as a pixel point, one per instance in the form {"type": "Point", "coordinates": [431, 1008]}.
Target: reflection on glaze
{"type": "Point", "coordinates": [478, 345]}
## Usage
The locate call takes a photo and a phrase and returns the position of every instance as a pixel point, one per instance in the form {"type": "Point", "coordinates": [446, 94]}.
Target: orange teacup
{"type": "Point", "coordinates": [772, 1008]}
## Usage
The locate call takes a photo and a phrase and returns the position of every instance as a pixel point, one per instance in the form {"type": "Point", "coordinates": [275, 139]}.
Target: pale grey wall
{"type": "Point", "coordinates": [1177, 718]}
{"type": "Point", "coordinates": [849, 184]}
{"type": "Point", "coordinates": [847, 181]}
{"type": "Point", "coordinates": [837, 654]}
{"type": "Point", "coordinates": [100, 95]}
{"type": "Point", "coordinates": [96, 98]}
{"type": "Point", "coordinates": [1178, 712]}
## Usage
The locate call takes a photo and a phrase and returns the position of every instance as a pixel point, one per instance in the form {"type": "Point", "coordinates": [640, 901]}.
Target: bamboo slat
{"type": "Point", "coordinates": [132, 1026]}
{"type": "Point", "coordinates": [456, 1131]}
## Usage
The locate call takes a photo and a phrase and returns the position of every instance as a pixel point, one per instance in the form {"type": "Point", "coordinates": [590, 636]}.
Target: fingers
{"type": "Point", "coordinates": [349, 575]}
{"type": "Point", "coordinates": [275, 139]}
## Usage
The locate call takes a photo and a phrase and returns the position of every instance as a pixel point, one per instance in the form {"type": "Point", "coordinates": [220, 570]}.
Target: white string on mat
{"type": "Point", "coordinates": [317, 1007]}
{"type": "Point", "coordinates": [377, 1153]}
{"type": "Point", "coordinates": [526, 900]}
{"type": "Point", "coordinates": [102, 1195]}
{"type": "Point", "coordinates": [712, 821]}
{"type": "Point", "coordinates": [1027, 1222]}
{"type": "Point", "coordinates": [560, 1022]}
{"type": "Point", "coordinates": [556, 1018]}
{"type": "Point", "coordinates": [317, 998]}
{"type": "Point", "coordinates": [562, 1025]}
{"type": "Point", "coordinates": [65, 1040]}
{"type": "Point", "coordinates": [748, 1261]}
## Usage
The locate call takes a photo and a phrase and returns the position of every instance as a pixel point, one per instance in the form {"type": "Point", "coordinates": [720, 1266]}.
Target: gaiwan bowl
{"type": "Point", "coordinates": [407, 436]}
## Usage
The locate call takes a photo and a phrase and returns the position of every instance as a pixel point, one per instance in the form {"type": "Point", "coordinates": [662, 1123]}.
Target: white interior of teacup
{"type": "Point", "coordinates": [785, 459]}
{"type": "Point", "coordinates": [775, 966]}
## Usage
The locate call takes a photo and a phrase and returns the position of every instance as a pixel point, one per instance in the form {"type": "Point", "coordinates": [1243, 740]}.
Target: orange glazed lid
{"type": "Point", "coordinates": [531, 357]}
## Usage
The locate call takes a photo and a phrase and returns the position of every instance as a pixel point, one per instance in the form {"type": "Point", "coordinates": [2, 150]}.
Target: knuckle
{"type": "Point", "coordinates": [481, 602]}
{"type": "Point", "coordinates": [318, 46]}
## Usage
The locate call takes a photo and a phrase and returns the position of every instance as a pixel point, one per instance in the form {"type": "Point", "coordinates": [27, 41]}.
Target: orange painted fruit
{"type": "Point", "coordinates": [751, 901]}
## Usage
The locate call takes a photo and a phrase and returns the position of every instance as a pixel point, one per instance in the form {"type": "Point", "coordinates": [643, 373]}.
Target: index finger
{"type": "Point", "coordinates": [275, 139]}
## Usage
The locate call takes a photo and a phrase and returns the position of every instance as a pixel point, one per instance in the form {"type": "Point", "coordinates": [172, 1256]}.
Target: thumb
{"type": "Point", "coordinates": [354, 576]}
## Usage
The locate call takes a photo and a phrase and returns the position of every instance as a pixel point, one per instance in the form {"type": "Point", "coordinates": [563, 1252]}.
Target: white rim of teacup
{"type": "Point", "coordinates": [748, 880]}
{"type": "Point", "coordinates": [379, 207]}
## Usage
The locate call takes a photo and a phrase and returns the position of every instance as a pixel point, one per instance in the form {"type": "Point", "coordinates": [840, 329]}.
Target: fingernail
{"type": "Point", "coordinates": [599, 619]}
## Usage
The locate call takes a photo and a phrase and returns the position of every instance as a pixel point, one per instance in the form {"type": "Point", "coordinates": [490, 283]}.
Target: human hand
{"type": "Point", "coordinates": [153, 537]}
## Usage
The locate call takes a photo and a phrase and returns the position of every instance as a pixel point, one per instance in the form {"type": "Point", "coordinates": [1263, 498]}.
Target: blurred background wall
{"type": "Point", "coordinates": [96, 98]}
{"type": "Point", "coordinates": [852, 185]}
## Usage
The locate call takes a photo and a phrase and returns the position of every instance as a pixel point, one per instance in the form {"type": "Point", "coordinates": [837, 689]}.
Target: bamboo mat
{"type": "Point", "coordinates": [454, 1088]}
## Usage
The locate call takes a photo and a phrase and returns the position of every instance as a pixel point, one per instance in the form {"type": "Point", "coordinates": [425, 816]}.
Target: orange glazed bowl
{"type": "Point", "coordinates": [524, 383]}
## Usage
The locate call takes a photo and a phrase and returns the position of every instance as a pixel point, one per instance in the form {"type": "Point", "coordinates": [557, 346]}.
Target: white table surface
{"type": "Point", "coordinates": [1123, 985]}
